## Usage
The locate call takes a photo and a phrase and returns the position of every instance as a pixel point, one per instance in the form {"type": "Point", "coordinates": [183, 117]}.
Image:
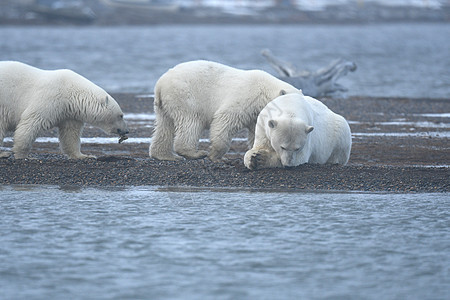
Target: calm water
{"type": "Point", "coordinates": [152, 243]}
{"type": "Point", "coordinates": [410, 60]}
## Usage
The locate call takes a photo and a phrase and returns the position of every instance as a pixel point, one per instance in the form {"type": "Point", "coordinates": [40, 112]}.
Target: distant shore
{"type": "Point", "coordinates": [136, 14]}
{"type": "Point", "coordinates": [399, 145]}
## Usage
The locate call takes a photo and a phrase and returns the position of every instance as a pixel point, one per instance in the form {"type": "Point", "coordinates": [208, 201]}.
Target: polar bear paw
{"type": "Point", "coordinates": [168, 157]}
{"type": "Point", "coordinates": [5, 154]}
{"type": "Point", "coordinates": [254, 160]}
{"type": "Point", "coordinates": [260, 159]}
{"type": "Point", "coordinates": [193, 154]}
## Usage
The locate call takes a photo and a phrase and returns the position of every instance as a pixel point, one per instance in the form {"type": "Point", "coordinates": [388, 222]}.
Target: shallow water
{"type": "Point", "coordinates": [152, 243]}
{"type": "Point", "coordinates": [402, 60]}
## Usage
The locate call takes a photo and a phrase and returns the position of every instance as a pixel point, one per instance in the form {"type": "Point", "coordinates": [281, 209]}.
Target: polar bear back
{"type": "Point", "coordinates": [21, 83]}
{"type": "Point", "coordinates": [20, 86]}
{"type": "Point", "coordinates": [209, 86]}
{"type": "Point", "coordinates": [17, 82]}
{"type": "Point", "coordinates": [331, 142]}
{"type": "Point", "coordinates": [26, 87]}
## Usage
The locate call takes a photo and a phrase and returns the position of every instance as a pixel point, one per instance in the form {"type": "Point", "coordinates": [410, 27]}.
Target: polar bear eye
{"type": "Point", "coordinates": [121, 116]}
{"type": "Point", "coordinates": [292, 150]}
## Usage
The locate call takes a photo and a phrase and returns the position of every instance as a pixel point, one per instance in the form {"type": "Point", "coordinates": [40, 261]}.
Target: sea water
{"type": "Point", "coordinates": [184, 243]}
{"type": "Point", "coordinates": [400, 60]}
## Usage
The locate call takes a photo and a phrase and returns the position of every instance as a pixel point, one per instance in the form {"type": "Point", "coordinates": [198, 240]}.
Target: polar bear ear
{"type": "Point", "coordinates": [272, 123]}
{"type": "Point", "coordinates": [282, 92]}
{"type": "Point", "coordinates": [309, 129]}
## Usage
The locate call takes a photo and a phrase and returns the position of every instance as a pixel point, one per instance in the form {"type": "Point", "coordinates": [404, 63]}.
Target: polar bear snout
{"type": "Point", "coordinates": [122, 131]}
{"type": "Point", "coordinates": [288, 158]}
{"type": "Point", "coordinates": [119, 126]}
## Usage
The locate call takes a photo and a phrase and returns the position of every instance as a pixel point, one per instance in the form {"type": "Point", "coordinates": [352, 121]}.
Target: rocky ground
{"type": "Point", "coordinates": [399, 145]}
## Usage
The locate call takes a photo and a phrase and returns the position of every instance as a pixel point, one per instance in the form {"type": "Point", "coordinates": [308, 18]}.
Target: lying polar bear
{"type": "Point", "coordinates": [34, 100]}
{"type": "Point", "coordinates": [198, 95]}
{"type": "Point", "coordinates": [295, 129]}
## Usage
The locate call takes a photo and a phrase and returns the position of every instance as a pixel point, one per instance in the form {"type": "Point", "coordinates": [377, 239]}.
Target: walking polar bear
{"type": "Point", "coordinates": [295, 129]}
{"type": "Point", "coordinates": [198, 95]}
{"type": "Point", "coordinates": [34, 100]}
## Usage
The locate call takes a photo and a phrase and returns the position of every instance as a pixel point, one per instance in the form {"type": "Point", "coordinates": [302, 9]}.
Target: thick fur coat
{"type": "Point", "coordinates": [34, 100]}
{"type": "Point", "coordinates": [198, 95]}
{"type": "Point", "coordinates": [295, 129]}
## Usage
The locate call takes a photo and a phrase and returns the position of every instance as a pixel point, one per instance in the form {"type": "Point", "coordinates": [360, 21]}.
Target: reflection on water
{"type": "Point", "coordinates": [149, 243]}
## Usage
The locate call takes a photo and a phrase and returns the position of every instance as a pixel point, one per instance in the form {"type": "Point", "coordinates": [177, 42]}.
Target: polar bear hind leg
{"type": "Point", "coordinates": [187, 135]}
{"type": "Point", "coordinates": [339, 156]}
{"type": "Point", "coordinates": [69, 139]}
{"type": "Point", "coordinates": [342, 148]}
{"type": "Point", "coordinates": [161, 147]}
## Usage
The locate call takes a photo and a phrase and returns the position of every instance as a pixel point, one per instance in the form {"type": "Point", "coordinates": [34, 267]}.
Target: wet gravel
{"type": "Point", "coordinates": [379, 164]}
{"type": "Point", "coordinates": [123, 171]}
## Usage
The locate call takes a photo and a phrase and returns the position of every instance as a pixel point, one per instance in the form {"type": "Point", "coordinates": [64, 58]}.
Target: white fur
{"type": "Point", "coordinates": [295, 129]}
{"type": "Point", "coordinates": [197, 95]}
{"type": "Point", "coordinates": [34, 100]}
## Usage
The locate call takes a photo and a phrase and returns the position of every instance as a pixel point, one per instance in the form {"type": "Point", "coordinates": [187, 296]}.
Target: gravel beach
{"type": "Point", "coordinates": [399, 145]}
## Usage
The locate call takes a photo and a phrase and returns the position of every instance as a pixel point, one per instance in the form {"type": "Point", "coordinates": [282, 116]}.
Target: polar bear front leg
{"type": "Point", "coordinates": [25, 134]}
{"type": "Point", "coordinates": [69, 139]}
{"type": "Point", "coordinates": [221, 132]}
{"type": "Point", "coordinates": [3, 154]}
{"type": "Point", "coordinates": [260, 159]}
{"type": "Point", "coordinates": [251, 135]}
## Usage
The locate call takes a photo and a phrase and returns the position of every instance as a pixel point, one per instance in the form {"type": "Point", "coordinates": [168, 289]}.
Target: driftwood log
{"type": "Point", "coordinates": [315, 84]}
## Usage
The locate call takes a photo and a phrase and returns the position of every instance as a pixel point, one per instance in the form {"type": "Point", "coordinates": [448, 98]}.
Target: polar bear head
{"type": "Point", "coordinates": [289, 137]}
{"type": "Point", "coordinates": [109, 116]}
{"type": "Point", "coordinates": [90, 103]}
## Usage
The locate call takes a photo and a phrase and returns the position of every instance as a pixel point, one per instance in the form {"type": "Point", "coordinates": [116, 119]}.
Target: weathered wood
{"type": "Point", "coordinates": [320, 83]}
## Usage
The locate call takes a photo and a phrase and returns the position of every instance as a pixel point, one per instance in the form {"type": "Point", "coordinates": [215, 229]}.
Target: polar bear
{"type": "Point", "coordinates": [295, 129]}
{"type": "Point", "coordinates": [198, 95]}
{"type": "Point", "coordinates": [33, 100]}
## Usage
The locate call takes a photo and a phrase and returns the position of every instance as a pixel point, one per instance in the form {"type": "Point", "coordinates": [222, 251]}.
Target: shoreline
{"type": "Point", "coordinates": [415, 159]}
{"type": "Point", "coordinates": [112, 171]}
